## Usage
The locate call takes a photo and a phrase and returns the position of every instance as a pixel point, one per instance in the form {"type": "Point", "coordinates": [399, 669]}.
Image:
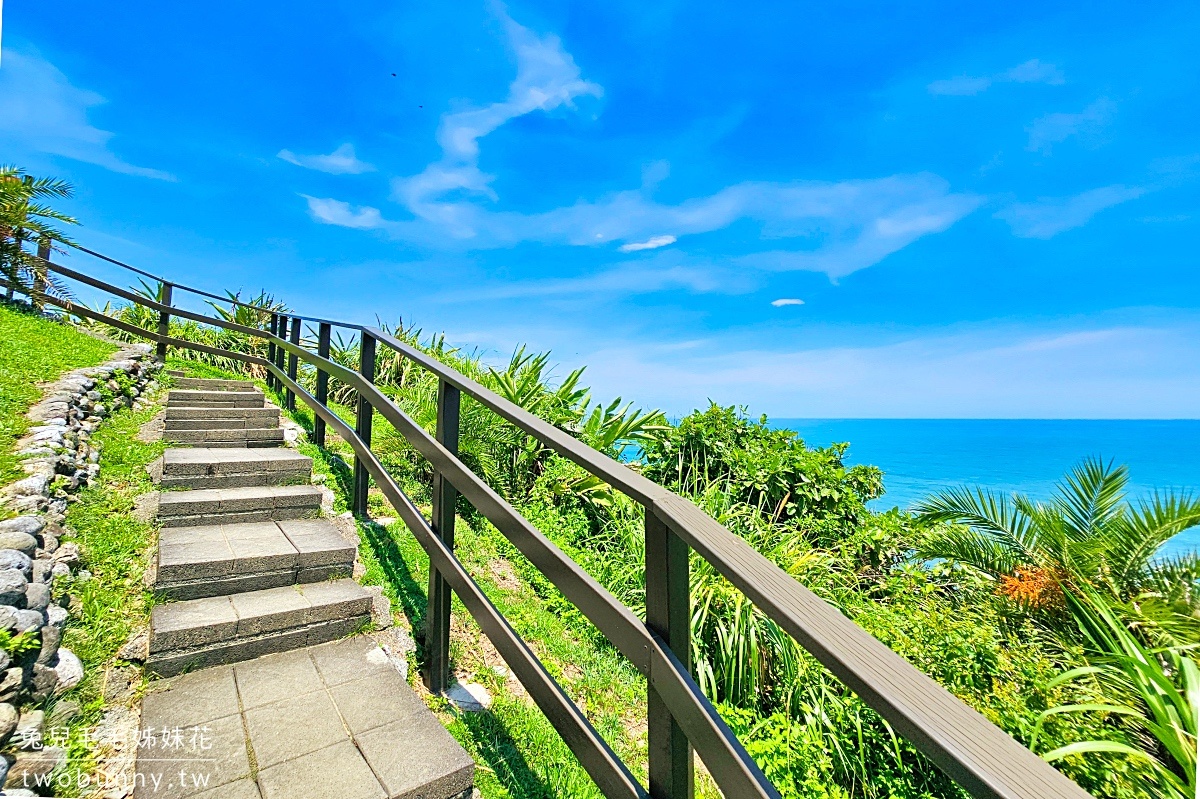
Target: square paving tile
{"type": "Point", "coordinates": [417, 758]}
{"type": "Point", "coordinates": [270, 610]}
{"type": "Point", "coordinates": [239, 789]}
{"type": "Point", "coordinates": [187, 761]}
{"type": "Point", "coordinates": [277, 677]}
{"type": "Point", "coordinates": [336, 772]}
{"type": "Point", "coordinates": [293, 727]}
{"type": "Point", "coordinates": [192, 699]}
{"type": "Point", "coordinates": [375, 701]}
{"type": "Point", "coordinates": [184, 624]}
{"type": "Point", "coordinates": [349, 659]}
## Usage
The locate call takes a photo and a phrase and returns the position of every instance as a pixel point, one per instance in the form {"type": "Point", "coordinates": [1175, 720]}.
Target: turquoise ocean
{"type": "Point", "coordinates": [920, 456]}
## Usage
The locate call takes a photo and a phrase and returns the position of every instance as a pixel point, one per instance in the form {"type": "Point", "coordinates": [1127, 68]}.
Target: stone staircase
{"type": "Point", "coordinates": [259, 604]}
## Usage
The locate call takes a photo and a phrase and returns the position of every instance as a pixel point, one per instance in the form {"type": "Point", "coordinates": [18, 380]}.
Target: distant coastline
{"type": "Point", "coordinates": [920, 456]}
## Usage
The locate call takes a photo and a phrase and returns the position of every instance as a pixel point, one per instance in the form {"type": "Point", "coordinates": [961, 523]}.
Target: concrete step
{"type": "Point", "coordinates": [260, 422]}
{"type": "Point", "coordinates": [207, 506]}
{"type": "Point", "coordinates": [214, 384]}
{"type": "Point", "coordinates": [227, 629]}
{"type": "Point", "coordinates": [235, 437]}
{"type": "Point", "coordinates": [215, 467]}
{"type": "Point", "coordinates": [218, 560]}
{"type": "Point", "coordinates": [250, 417]}
{"type": "Point", "coordinates": [221, 399]}
{"type": "Point", "coordinates": [336, 720]}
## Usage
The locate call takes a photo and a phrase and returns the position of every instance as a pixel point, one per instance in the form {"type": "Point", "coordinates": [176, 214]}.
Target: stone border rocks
{"type": "Point", "coordinates": [59, 458]}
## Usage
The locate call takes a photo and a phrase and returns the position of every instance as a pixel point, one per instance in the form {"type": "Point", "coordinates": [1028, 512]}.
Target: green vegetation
{"type": "Point", "coordinates": [27, 222]}
{"type": "Point", "coordinates": [34, 350]}
{"type": "Point", "coordinates": [1055, 621]}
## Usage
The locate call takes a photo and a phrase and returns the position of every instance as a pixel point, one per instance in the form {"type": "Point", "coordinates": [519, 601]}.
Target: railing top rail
{"type": "Point", "coordinates": [976, 753]}
{"type": "Point", "coordinates": [202, 292]}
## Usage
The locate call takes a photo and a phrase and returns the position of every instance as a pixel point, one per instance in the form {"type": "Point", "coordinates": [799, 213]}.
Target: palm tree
{"type": "Point", "coordinates": [1086, 533]}
{"type": "Point", "coordinates": [25, 218]}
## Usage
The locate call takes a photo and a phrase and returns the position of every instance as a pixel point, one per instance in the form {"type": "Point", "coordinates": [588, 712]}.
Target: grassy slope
{"type": "Point", "coordinates": [34, 350]}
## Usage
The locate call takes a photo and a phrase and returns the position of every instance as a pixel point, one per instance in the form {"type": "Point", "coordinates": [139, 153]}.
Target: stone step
{"type": "Point", "coordinates": [221, 399]}
{"type": "Point", "coordinates": [235, 437]}
{"type": "Point", "coordinates": [233, 423]}
{"type": "Point", "coordinates": [252, 417]}
{"type": "Point", "coordinates": [227, 629]}
{"type": "Point", "coordinates": [215, 467]}
{"type": "Point", "coordinates": [218, 560]}
{"type": "Point", "coordinates": [214, 384]}
{"type": "Point", "coordinates": [207, 506]}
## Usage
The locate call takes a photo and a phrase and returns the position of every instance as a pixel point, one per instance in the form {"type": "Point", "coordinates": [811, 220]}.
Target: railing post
{"type": "Point", "coordinates": [293, 362]}
{"type": "Point", "coordinates": [279, 351]}
{"type": "Point", "coordinates": [362, 478]}
{"type": "Point", "coordinates": [323, 331]}
{"type": "Point", "coordinates": [668, 613]}
{"type": "Point", "coordinates": [274, 328]}
{"type": "Point", "coordinates": [164, 321]}
{"type": "Point", "coordinates": [39, 275]}
{"type": "Point", "coordinates": [437, 612]}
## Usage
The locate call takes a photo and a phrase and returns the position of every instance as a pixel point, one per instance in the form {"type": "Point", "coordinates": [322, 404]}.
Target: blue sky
{"type": "Point", "coordinates": [917, 209]}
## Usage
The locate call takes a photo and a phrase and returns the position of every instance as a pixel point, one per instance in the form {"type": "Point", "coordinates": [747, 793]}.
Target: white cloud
{"type": "Point", "coordinates": [336, 212]}
{"type": "Point", "coordinates": [837, 227]}
{"type": "Point", "coordinates": [341, 161]}
{"type": "Point", "coordinates": [1050, 216]}
{"type": "Point", "coordinates": [547, 78]}
{"type": "Point", "coordinates": [785, 301]}
{"type": "Point", "coordinates": [652, 243]}
{"type": "Point", "coordinates": [1054, 128]}
{"type": "Point", "coordinates": [41, 109]}
{"type": "Point", "coordinates": [1032, 71]}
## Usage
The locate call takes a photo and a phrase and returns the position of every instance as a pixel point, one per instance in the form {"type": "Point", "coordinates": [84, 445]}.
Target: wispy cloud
{"type": "Point", "coordinates": [783, 302]}
{"type": "Point", "coordinates": [652, 243]}
{"type": "Point", "coordinates": [547, 78]}
{"type": "Point", "coordinates": [336, 212]}
{"type": "Point", "coordinates": [1032, 71]}
{"type": "Point", "coordinates": [1050, 216]}
{"type": "Point", "coordinates": [1052, 129]}
{"type": "Point", "coordinates": [835, 227]}
{"type": "Point", "coordinates": [341, 161]}
{"type": "Point", "coordinates": [41, 109]}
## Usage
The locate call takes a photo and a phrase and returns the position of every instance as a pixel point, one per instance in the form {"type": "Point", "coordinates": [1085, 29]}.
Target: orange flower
{"type": "Point", "coordinates": [1034, 588]}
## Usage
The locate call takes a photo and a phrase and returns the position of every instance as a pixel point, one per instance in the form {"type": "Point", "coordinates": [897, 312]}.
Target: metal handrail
{"type": "Point", "coordinates": [981, 757]}
{"type": "Point", "coordinates": [202, 292]}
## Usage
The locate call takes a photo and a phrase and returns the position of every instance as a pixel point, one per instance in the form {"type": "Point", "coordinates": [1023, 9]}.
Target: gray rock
{"type": "Point", "coordinates": [41, 570]}
{"type": "Point", "coordinates": [37, 596]}
{"type": "Point", "coordinates": [22, 542]}
{"type": "Point", "coordinates": [29, 620]}
{"type": "Point", "coordinates": [51, 639]}
{"type": "Point", "coordinates": [69, 670]}
{"type": "Point", "coordinates": [59, 570]}
{"type": "Point", "coordinates": [32, 768]}
{"type": "Point", "coordinates": [5, 660]}
{"type": "Point", "coordinates": [49, 543]}
{"type": "Point", "coordinates": [10, 683]}
{"type": "Point", "coordinates": [15, 559]}
{"type": "Point", "coordinates": [8, 721]}
{"type": "Point", "coordinates": [57, 616]}
{"type": "Point", "coordinates": [43, 683]}
{"type": "Point", "coordinates": [30, 729]}
{"type": "Point", "coordinates": [30, 525]}
{"type": "Point", "coordinates": [67, 553]}
{"type": "Point", "coordinates": [63, 713]}
{"type": "Point", "coordinates": [8, 618]}
{"type": "Point", "coordinates": [35, 484]}
{"type": "Point", "coordinates": [12, 587]}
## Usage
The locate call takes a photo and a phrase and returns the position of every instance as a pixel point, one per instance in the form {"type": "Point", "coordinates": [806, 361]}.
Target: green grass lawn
{"type": "Point", "coordinates": [34, 350]}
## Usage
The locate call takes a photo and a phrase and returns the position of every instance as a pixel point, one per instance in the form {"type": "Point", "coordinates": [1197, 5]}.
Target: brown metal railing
{"type": "Point", "coordinates": [981, 757]}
